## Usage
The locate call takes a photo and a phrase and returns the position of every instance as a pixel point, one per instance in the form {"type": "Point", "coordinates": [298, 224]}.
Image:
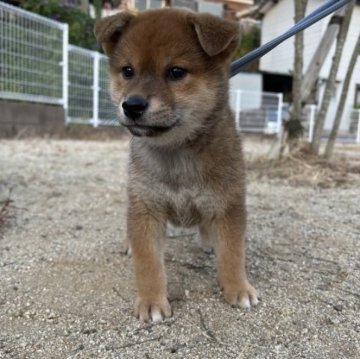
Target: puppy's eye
{"type": "Point", "coordinates": [127, 72]}
{"type": "Point", "coordinates": [176, 73]}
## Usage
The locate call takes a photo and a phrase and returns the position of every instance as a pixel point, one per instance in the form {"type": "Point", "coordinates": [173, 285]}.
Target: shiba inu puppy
{"type": "Point", "coordinates": [169, 71]}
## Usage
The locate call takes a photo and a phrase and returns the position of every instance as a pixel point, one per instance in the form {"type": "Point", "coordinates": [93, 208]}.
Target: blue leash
{"type": "Point", "coordinates": [324, 10]}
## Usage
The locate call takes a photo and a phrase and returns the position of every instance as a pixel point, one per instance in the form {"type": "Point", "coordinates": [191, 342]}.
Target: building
{"type": "Point", "coordinates": [277, 65]}
{"type": "Point", "coordinates": [226, 8]}
{"type": "Point", "coordinates": [231, 7]}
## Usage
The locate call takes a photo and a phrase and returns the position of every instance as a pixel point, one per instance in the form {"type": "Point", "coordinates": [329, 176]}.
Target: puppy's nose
{"type": "Point", "coordinates": [134, 106]}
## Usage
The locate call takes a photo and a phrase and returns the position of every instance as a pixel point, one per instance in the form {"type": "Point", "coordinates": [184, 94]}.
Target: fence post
{"type": "Point", "coordinates": [279, 113]}
{"type": "Point", "coordinates": [311, 122]}
{"type": "Point", "coordinates": [65, 71]}
{"type": "Point", "coordinates": [358, 129]}
{"type": "Point", "coordinates": [238, 109]}
{"type": "Point", "coordinates": [96, 89]}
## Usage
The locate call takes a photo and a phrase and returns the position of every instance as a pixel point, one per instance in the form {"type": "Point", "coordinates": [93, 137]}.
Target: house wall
{"type": "Point", "coordinates": [211, 8]}
{"type": "Point", "coordinates": [249, 82]}
{"type": "Point", "coordinates": [276, 21]}
{"type": "Point", "coordinates": [353, 34]}
{"type": "Point", "coordinates": [280, 60]}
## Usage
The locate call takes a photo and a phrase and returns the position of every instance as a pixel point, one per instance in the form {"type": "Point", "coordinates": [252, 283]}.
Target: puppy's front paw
{"type": "Point", "coordinates": [156, 310]}
{"type": "Point", "coordinates": [242, 294]}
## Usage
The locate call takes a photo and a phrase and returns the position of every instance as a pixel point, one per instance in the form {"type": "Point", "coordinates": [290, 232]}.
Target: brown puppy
{"type": "Point", "coordinates": [169, 77]}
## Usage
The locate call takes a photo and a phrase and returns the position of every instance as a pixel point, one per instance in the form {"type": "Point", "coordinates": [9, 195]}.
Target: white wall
{"type": "Point", "coordinates": [279, 19]}
{"type": "Point", "coordinates": [211, 8]}
{"type": "Point", "coordinates": [353, 33]}
{"type": "Point", "coordinates": [247, 81]}
{"type": "Point", "coordinates": [280, 60]}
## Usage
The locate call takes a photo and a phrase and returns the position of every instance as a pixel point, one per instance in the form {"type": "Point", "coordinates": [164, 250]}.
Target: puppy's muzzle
{"type": "Point", "coordinates": [138, 122]}
{"type": "Point", "coordinates": [134, 107]}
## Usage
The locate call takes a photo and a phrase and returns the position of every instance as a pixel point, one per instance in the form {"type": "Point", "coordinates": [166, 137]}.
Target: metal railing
{"type": "Point", "coordinates": [107, 109]}
{"type": "Point", "coordinates": [257, 111]}
{"type": "Point", "coordinates": [355, 124]}
{"type": "Point", "coordinates": [32, 57]}
{"type": "Point", "coordinates": [81, 86]}
{"type": "Point", "coordinates": [37, 64]}
{"type": "Point", "coordinates": [89, 99]}
{"type": "Point", "coordinates": [352, 135]}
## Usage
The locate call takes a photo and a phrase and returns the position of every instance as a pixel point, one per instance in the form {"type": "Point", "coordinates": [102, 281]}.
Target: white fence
{"type": "Point", "coordinates": [355, 124]}
{"type": "Point", "coordinates": [37, 64]}
{"type": "Point", "coordinates": [89, 101]}
{"type": "Point", "coordinates": [257, 111]}
{"type": "Point", "coordinates": [32, 56]}
{"type": "Point", "coordinates": [309, 117]}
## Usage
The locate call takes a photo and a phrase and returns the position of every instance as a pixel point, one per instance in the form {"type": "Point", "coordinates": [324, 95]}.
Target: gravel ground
{"type": "Point", "coordinates": [66, 289]}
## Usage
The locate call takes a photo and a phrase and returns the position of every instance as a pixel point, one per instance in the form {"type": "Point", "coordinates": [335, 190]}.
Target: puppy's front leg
{"type": "Point", "coordinates": [146, 235]}
{"type": "Point", "coordinates": [230, 251]}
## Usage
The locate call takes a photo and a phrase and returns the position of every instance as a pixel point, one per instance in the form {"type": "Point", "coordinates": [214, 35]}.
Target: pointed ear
{"type": "Point", "coordinates": [108, 29]}
{"type": "Point", "coordinates": [215, 34]}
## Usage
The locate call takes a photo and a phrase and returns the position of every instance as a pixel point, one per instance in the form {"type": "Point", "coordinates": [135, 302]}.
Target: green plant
{"type": "Point", "coordinates": [250, 40]}
{"type": "Point", "coordinates": [80, 24]}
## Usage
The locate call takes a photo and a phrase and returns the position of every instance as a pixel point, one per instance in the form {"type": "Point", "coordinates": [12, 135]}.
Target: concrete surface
{"type": "Point", "coordinates": [66, 290]}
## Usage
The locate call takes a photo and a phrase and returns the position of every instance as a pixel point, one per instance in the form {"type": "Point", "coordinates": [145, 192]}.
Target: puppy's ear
{"type": "Point", "coordinates": [216, 35]}
{"type": "Point", "coordinates": [108, 29]}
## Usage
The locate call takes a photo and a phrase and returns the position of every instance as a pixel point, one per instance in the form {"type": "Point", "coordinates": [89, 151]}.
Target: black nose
{"type": "Point", "coordinates": [134, 106]}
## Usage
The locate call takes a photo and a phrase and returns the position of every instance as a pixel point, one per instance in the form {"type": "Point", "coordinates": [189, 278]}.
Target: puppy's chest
{"type": "Point", "coordinates": [186, 205]}
{"type": "Point", "coordinates": [180, 190]}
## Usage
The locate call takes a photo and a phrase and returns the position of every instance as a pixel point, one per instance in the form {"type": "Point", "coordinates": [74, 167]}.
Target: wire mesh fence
{"type": "Point", "coordinates": [309, 115]}
{"type": "Point", "coordinates": [80, 86]}
{"type": "Point", "coordinates": [89, 99]}
{"type": "Point", "coordinates": [355, 124]}
{"type": "Point", "coordinates": [257, 111]}
{"type": "Point", "coordinates": [38, 65]}
{"type": "Point", "coordinates": [31, 56]}
{"type": "Point", "coordinates": [107, 109]}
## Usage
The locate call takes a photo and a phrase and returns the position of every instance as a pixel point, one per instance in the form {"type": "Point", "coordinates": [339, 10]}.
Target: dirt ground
{"type": "Point", "coordinates": [66, 290]}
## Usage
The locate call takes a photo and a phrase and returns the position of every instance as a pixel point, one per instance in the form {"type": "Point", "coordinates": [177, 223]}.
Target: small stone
{"type": "Point", "coordinates": [51, 315]}
{"type": "Point", "coordinates": [80, 347]}
{"type": "Point", "coordinates": [338, 307]}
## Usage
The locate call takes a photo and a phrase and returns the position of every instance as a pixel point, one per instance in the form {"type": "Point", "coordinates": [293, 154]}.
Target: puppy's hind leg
{"type": "Point", "coordinates": [146, 235]}
{"type": "Point", "coordinates": [207, 239]}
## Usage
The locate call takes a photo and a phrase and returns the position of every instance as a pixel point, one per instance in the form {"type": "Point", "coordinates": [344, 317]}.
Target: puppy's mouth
{"type": "Point", "coordinates": [148, 131]}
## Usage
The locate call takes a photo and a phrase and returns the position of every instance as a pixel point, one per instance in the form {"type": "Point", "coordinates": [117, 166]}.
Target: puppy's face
{"type": "Point", "coordinates": [169, 70]}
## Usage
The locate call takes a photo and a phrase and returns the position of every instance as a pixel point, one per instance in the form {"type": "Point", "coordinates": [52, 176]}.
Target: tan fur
{"type": "Point", "coordinates": [192, 174]}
